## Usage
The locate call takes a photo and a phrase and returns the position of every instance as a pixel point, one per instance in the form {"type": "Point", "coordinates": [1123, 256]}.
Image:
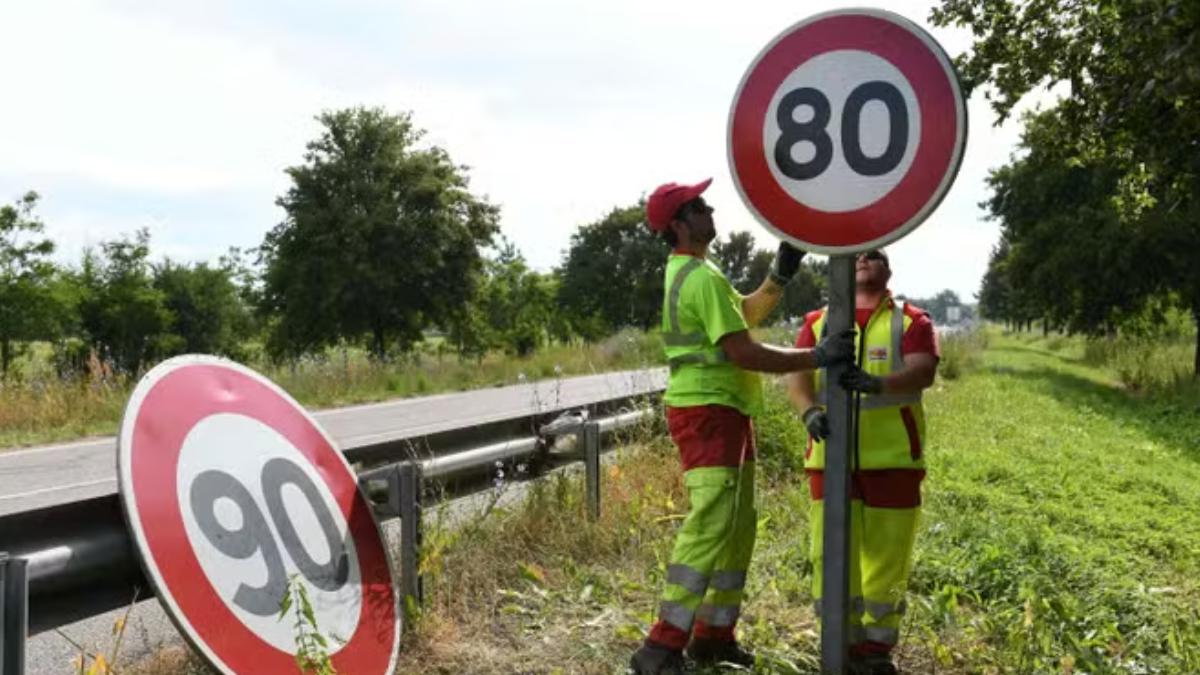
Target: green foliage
{"type": "Point", "coordinates": [208, 315]}
{"type": "Point", "coordinates": [31, 306]}
{"type": "Point", "coordinates": [312, 648]}
{"type": "Point", "coordinates": [517, 305]}
{"type": "Point", "coordinates": [122, 314]}
{"type": "Point", "coordinates": [381, 239]}
{"type": "Point", "coordinates": [1100, 217]}
{"type": "Point", "coordinates": [612, 276]}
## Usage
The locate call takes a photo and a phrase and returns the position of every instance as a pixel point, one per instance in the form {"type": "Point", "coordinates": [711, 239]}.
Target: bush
{"type": "Point", "coordinates": [962, 352]}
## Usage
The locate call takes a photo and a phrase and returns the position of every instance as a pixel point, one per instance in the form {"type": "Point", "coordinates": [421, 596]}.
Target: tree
{"type": "Point", "coordinates": [746, 266]}
{"type": "Point", "coordinates": [29, 307]}
{"type": "Point", "coordinates": [1131, 111]}
{"type": "Point", "coordinates": [612, 275]}
{"type": "Point", "coordinates": [743, 265]}
{"type": "Point", "coordinates": [518, 303]}
{"type": "Point", "coordinates": [123, 316]}
{"type": "Point", "coordinates": [381, 238]}
{"type": "Point", "coordinates": [208, 315]}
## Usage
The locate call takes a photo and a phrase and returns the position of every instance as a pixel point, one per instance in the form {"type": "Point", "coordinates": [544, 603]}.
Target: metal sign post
{"type": "Point", "coordinates": [835, 582]}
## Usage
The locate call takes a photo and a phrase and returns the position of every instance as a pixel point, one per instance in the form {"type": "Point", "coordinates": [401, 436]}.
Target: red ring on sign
{"type": "Point", "coordinates": [936, 97]}
{"type": "Point", "coordinates": [169, 411]}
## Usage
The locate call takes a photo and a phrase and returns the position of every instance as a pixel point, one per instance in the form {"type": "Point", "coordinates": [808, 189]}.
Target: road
{"type": "Point", "coordinates": [45, 476]}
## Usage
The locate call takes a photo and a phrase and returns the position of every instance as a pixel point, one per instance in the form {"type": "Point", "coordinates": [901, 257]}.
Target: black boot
{"type": "Point", "coordinates": [719, 651]}
{"type": "Point", "coordinates": [872, 664]}
{"type": "Point", "coordinates": [652, 659]}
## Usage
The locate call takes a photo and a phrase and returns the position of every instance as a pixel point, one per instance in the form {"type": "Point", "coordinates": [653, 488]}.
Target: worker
{"type": "Point", "coordinates": [897, 357]}
{"type": "Point", "coordinates": [712, 394]}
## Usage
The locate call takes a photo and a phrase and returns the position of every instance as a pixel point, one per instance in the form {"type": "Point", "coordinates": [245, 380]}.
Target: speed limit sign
{"type": "Point", "coordinates": [233, 494]}
{"type": "Point", "coordinates": [847, 130]}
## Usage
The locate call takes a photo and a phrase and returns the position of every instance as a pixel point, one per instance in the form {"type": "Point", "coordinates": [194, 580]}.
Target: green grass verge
{"type": "Point", "coordinates": [1060, 535]}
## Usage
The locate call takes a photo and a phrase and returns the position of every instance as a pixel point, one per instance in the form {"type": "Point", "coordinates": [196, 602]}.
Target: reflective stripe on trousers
{"type": "Point", "coordinates": [881, 546]}
{"type": "Point", "coordinates": [706, 578]}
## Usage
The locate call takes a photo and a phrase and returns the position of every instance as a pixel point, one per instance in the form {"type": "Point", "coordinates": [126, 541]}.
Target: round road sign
{"type": "Point", "coordinates": [847, 130]}
{"type": "Point", "coordinates": [232, 492]}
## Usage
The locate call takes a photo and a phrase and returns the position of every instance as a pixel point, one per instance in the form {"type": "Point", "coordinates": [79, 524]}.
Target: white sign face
{"type": "Point", "coordinates": [847, 127]}
{"type": "Point", "coordinates": [235, 498]}
{"type": "Point", "coordinates": [246, 495]}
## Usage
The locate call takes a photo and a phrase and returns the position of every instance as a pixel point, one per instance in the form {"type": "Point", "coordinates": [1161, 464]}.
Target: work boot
{"type": "Point", "coordinates": [873, 664]}
{"type": "Point", "coordinates": [719, 651]}
{"type": "Point", "coordinates": [651, 659]}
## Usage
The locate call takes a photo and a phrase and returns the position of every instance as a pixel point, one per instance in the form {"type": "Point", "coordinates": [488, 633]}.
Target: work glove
{"type": "Point", "coordinates": [835, 349]}
{"type": "Point", "coordinates": [817, 422]}
{"type": "Point", "coordinates": [856, 379]}
{"type": "Point", "coordinates": [787, 263]}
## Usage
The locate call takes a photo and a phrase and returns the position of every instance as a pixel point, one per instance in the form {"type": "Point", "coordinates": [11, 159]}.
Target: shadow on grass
{"type": "Point", "coordinates": [1170, 418]}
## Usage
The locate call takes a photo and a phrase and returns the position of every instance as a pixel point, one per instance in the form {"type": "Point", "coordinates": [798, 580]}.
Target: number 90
{"type": "Point", "coordinates": [254, 535]}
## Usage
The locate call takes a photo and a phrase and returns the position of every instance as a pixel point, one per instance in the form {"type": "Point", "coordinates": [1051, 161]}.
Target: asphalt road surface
{"type": "Point", "coordinates": [38, 477]}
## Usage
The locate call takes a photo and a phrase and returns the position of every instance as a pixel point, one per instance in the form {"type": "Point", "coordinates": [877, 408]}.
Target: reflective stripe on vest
{"type": "Point", "coordinates": [675, 337]}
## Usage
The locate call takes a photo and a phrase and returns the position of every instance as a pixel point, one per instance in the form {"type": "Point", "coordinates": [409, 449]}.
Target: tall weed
{"type": "Point", "coordinates": [1144, 364]}
{"type": "Point", "coordinates": [962, 352]}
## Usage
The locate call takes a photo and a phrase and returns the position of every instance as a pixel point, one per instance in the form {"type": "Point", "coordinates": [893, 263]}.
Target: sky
{"type": "Point", "coordinates": [180, 117]}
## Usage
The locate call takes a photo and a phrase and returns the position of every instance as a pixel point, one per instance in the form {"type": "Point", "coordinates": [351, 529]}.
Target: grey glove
{"type": "Point", "coordinates": [835, 349]}
{"type": "Point", "coordinates": [817, 422]}
{"type": "Point", "coordinates": [787, 263]}
{"type": "Point", "coordinates": [856, 379]}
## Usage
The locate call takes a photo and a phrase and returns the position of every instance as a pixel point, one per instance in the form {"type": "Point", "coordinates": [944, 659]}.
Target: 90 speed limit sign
{"type": "Point", "coordinates": [847, 130]}
{"type": "Point", "coordinates": [232, 493]}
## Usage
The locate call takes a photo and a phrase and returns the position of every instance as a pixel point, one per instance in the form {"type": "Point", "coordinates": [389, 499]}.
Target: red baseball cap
{"type": "Point", "coordinates": [666, 200]}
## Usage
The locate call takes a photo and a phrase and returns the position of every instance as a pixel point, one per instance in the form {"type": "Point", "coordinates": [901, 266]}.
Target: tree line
{"type": "Point", "coordinates": [382, 242]}
{"type": "Point", "coordinates": [1100, 208]}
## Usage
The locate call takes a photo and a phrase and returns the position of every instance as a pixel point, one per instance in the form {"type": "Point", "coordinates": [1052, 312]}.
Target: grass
{"type": "Point", "coordinates": [1059, 536]}
{"type": "Point", "coordinates": [38, 407]}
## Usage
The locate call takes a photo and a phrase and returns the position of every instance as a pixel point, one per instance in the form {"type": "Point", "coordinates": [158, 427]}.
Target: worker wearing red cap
{"type": "Point", "coordinates": [897, 359]}
{"type": "Point", "coordinates": [712, 394]}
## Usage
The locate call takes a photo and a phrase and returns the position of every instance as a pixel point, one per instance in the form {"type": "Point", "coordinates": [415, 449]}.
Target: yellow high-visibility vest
{"type": "Point", "coordinates": [891, 427]}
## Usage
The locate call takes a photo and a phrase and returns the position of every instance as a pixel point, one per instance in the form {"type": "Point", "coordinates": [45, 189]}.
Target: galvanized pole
{"type": "Point", "coordinates": [591, 461]}
{"type": "Point", "coordinates": [14, 614]}
{"type": "Point", "coordinates": [404, 495]}
{"type": "Point", "coordinates": [835, 585]}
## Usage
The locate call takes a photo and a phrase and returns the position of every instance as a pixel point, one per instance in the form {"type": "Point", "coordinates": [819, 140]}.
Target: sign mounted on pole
{"type": "Point", "coordinates": [233, 495]}
{"type": "Point", "coordinates": [847, 130]}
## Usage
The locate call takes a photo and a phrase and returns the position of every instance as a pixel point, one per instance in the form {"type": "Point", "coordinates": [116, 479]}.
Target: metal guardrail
{"type": "Point", "coordinates": [69, 562]}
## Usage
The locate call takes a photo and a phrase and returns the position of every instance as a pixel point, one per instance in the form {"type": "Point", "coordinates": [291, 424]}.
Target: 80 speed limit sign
{"type": "Point", "coordinates": [847, 130]}
{"type": "Point", "coordinates": [232, 492]}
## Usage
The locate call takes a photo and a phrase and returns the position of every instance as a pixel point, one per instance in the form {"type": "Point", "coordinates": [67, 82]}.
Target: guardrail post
{"type": "Point", "coordinates": [404, 498]}
{"type": "Point", "coordinates": [591, 462]}
{"type": "Point", "coordinates": [14, 614]}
